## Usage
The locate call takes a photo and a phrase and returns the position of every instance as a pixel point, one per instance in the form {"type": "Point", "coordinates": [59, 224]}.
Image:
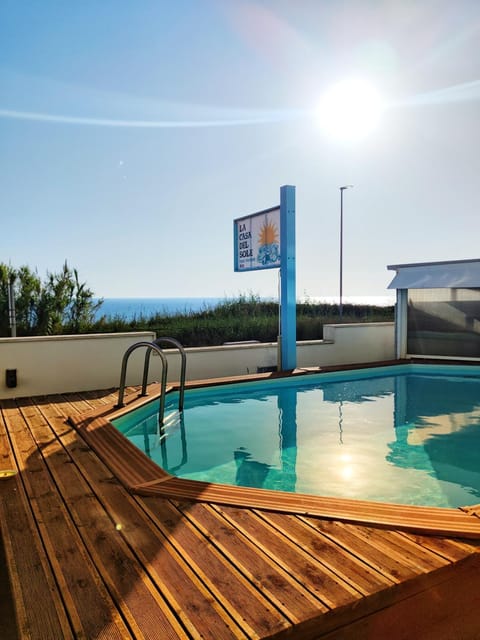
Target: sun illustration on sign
{"type": "Point", "coordinates": [268, 233]}
{"type": "Point", "coordinates": [268, 239]}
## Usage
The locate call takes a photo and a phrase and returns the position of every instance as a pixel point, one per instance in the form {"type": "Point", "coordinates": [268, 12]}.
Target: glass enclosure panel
{"type": "Point", "coordinates": [444, 322]}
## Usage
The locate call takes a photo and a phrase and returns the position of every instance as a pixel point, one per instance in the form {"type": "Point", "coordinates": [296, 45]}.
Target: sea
{"type": "Point", "coordinates": [131, 308]}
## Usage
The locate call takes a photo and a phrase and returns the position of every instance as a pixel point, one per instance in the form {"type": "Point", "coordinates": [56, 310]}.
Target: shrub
{"type": "Point", "coordinates": [58, 304]}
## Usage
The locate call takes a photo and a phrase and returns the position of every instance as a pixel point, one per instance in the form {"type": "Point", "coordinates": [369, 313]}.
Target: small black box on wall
{"type": "Point", "coordinates": [11, 378]}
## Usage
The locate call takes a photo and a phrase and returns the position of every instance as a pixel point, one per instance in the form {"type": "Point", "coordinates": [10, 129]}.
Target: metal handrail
{"type": "Point", "coordinates": [154, 346]}
{"type": "Point", "coordinates": [123, 375]}
{"type": "Point", "coordinates": [183, 369]}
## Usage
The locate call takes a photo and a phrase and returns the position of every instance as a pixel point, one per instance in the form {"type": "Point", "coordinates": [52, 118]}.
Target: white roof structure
{"type": "Point", "coordinates": [452, 274]}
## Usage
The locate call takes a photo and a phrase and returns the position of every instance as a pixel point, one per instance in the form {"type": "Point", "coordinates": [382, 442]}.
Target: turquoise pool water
{"type": "Point", "coordinates": [407, 434]}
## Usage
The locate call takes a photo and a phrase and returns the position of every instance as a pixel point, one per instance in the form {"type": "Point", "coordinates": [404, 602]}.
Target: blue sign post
{"type": "Point", "coordinates": [266, 240]}
{"type": "Point", "coordinates": [288, 305]}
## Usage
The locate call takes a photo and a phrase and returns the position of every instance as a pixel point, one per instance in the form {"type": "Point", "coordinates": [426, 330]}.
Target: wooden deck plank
{"type": "Point", "coordinates": [137, 601]}
{"type": "Point", "coordinates": [134, 592]}
{"type": "Point", "coordinates": [328, 586]}
{"type": "Point", "coordinates": [214, 570]}
{"type": "Point", "coordinates": [98, 399]}
{"type": "Point", "coordinates": [292, 598]}
{"type": "Point", "coordinates": [402, 548]}
{"type": "Point", "coordinates": [180, 587]}
{"type": "Point", "coordinates": [450, 549]}
{"type": "Point", "coordinates": [7, 463]}
{"type": "Point", "coordinates": [347, 536]}
{"type": "Point", "coordinates": [430, 520]}
{"type": "Point", "coordinates": [346, 565]}
{"type": "Point", "coordinates": [88, 401]}
{"type": "Point", "coordinates": [25, 556]}
{"type": "Point", "coordinates": [244, 601]}
{"type": "Point", "coordinates": [85, 597]}
{"type": "Point", "coordinates": [8, 612]}
{"type": "Point", "coordinates": [126, 461]}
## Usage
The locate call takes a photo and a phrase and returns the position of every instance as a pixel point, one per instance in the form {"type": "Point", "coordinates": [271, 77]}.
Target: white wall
{"type": "Point", "coordinates": [343, 344]}
{"type": "Point", "coordinates": [350, 343]}
{"type": "Point", "coordinates": [57, 364]}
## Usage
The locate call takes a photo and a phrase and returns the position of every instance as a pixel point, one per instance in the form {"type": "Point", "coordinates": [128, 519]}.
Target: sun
{"type": "Point", "coordinates": [350, 110]}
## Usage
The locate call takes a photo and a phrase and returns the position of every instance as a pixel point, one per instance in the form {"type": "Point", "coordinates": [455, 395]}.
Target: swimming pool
{"type": "Point", "coordinates": [405, 434]}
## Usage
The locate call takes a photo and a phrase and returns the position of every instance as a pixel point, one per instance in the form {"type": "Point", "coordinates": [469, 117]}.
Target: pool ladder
{"type": "Point", "coordinates": [154, 346]}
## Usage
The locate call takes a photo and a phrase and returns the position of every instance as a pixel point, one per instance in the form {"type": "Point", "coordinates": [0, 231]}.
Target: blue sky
{"type": "Point", "coordinates": [133, 133]}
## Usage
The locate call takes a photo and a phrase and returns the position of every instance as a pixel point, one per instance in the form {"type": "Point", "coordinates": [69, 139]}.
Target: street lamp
{"type": "Point", "coordinates": [340, 306]}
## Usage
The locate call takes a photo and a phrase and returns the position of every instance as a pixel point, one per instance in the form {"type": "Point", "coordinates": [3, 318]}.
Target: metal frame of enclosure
{"type": "Point", "coordinates": [438, 309]}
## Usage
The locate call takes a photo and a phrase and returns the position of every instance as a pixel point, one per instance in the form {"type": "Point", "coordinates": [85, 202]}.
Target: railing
{"type": "Point", "coordinates": [183, 369]}
{"type": "Point", "coordinates": [154, 346]}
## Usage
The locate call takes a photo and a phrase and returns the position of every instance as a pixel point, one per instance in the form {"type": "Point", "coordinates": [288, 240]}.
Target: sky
{"type": "Point", "coordinates": [132, 134]}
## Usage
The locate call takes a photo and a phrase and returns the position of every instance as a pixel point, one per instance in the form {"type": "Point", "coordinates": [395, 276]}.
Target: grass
{"type": "Point", "coordinates": [244, 318]}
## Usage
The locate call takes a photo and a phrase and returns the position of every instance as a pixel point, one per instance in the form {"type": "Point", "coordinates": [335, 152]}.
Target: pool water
{"type": "Point", "coordinates": [408, 434]}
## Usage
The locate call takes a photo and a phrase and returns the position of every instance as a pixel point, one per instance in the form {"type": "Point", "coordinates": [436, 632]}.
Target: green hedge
{"type": "Point", "coordinates": [243, 319]}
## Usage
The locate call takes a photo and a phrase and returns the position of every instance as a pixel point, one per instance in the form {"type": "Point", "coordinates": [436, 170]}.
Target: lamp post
{"type": "Point", "coordinates": [340, 306]}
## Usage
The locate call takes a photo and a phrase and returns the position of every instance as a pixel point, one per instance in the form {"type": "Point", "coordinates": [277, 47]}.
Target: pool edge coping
{"type": "Point", "coordinates": [140, 475]}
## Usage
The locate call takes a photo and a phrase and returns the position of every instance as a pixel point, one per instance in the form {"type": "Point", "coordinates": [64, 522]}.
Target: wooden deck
{"type": "Point", "coordinates": [89, 556]}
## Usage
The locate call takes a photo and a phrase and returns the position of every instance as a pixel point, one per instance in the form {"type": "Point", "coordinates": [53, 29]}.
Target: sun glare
{"type": "Point", "coordinates": [350, 110]}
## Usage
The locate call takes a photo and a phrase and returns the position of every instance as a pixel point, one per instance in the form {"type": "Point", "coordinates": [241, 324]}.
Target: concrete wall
{"type": "Point", "coordinates": [56, 364]}
{"type": "Point", "coordinates": [343, 344]}
{"type": "Point", "coordinates": [349, 343]}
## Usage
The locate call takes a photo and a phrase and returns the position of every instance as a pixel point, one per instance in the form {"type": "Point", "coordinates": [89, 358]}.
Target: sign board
{"type": "Point", "coordinates": [256, 240]}
{"type": "Point", "coordinates": [266, 240]}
